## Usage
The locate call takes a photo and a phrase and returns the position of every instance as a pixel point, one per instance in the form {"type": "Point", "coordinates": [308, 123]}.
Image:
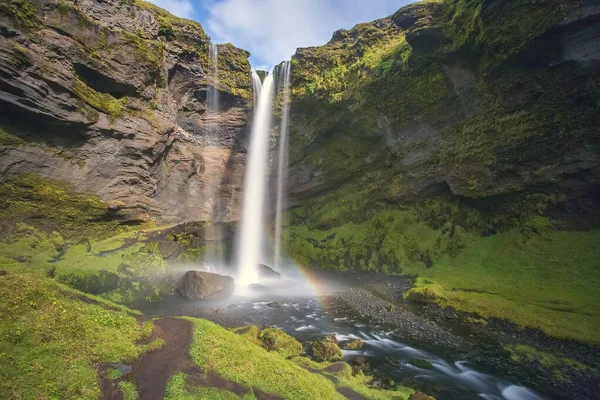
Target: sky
{"type": "Point", "coordinates": [271, 30]}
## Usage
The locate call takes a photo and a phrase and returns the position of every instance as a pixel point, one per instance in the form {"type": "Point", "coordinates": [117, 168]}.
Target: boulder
{"type": "Point", "coordinates": [276, 340]}
{"type": "Point", "coordinates": [355, 344]}
{"type": "Point", "coordinates": [274, 304]}
{"type": "Point", "coordinates": [264, 271]}
{"type": "Point", "coordinates": [200, 285]}
{"type": "Point", "coordinates": [326, 351]}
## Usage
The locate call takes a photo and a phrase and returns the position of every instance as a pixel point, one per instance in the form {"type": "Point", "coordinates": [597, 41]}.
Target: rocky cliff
{"type": "Point", "coordinates": [110, 97]}
{"type": "Point", "coordinates": [458, 141]}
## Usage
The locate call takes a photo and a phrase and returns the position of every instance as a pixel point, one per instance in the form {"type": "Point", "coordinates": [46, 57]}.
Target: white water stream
{"type": "Point", "coordinates": [250, 246]}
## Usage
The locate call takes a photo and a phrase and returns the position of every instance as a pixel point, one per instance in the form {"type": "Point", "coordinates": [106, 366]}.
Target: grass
{"type": "Point", "coordinates": [51, 341]}
{"type": "Point", "coordinates": [560, 366]}
{"type": "Point", "coordinates": [531, 275]}
{"type": "Point", "coordinates": [240, 360]}
{"type": "Point", "coordinates": [129, 390]}
{"type": "Point", "coordinates": [216, 349]}
{"type": "Point", "coordinates": [178, 390]}
{"type": "Point", "coordinates": [547, 281]}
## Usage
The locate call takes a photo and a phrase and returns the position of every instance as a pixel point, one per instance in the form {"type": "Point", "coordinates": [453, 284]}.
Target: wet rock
{"type": "Point", "coordinates": [326, 351]}
{"type": "Point", "coordinates": [359, 365]}
{"type": "Point", "coordinates": [200, 285]}
{"type": "Point", "coordinates": [423, 364]}
{"type": "Point", "coordinates": [330, 338]}
{"type": "Point", "coordinates": [258, 287]}
{"type": "Point", "coordinates": [124, 369]}
{"type": "Point", "coordinates": [420, 396]}
{"type": "Point", "coordinates": [264, 271]}
{"type": "Point", "coordinates": [355, 344]}
{"type": "Point", "coordinates": [274, 304]}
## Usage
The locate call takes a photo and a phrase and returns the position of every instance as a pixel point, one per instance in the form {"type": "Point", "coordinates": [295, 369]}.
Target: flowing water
{"type": "Point", "coordinates": [309, 316]}
{"type": "Point", "coordinates": [285, 79]}
{"type": "Point", "coordinates": [250, 247]}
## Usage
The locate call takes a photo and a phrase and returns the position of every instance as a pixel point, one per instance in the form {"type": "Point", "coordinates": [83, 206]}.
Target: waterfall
{"type": "Point", "coordinates": [284, 76]}
{"type": "Point", "coordinates": [250, 250]}
{"type": "Point", "coordinates": [212, 201]}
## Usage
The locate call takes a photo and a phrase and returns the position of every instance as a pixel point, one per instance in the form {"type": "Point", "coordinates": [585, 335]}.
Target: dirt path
{"type": "Point", "coordinates": [154, 369]}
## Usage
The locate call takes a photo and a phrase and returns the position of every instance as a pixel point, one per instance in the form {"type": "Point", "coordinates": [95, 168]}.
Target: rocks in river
{"type": "Point", "coordinates": [276, 340]}
{"type": "Point", "coordinates": [419, 363]}
{"type": "Point", "coordinates": [420, 396]}
{"type": "Point", "coordinates": [359, 365]}
{"type": "Point", "coordinates": [258, 287]}
{"type": "Point", "coordinates": [355, 344]}
{"type": "Point", "coordinates": [200, 285]}
{"type": "Point", "coordinates": [264, 271]}
{"type": "Point", "coordinates": [330, 338]}
{"type": "Point", "coordinates": [274, 304]}
{"type": "Point", "coordinates": [326, 351]}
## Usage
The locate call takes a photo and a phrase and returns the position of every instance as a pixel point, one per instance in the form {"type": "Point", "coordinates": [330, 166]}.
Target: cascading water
{"type": "Point", "coordinates": [250, 249]}
{"type": "Point", "coordinates": [211, 190]}
{"type": "Point", "coordinates": [285, 78]}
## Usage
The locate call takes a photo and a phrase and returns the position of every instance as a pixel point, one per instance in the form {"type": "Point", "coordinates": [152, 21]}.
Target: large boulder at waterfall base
{"type": "Point", "coordinates": [264, 271]}
{"type": "Point", "coordinates": [200, 285]}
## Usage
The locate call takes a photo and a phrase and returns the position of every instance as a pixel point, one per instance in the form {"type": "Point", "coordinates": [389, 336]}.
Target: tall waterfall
{"type": "Point", "coordinates": [255, 183]}
{"type": "Point", "coordinates": [212, 200]}
{"type": "Point", "coordinates": [284, 77]}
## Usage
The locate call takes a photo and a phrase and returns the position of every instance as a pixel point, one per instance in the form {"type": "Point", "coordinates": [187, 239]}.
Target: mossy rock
{"type": "Point", "coordinates": [355, 344]}
{"type": "Point", "coordinates": [274, 339]}
{"type": "Point", "coordinates": [421, 294]}
{"type": "Point", "coordinates": [419, 363]}
{"type": "Point", "coordinates": [326, 351]}
{"type": "Point", "coordinates": [249, 332]}
{"type": "Point", "coordinates": [420, 396]}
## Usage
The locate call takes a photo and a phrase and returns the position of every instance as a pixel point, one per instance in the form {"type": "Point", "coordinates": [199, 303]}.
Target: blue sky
{"type": "Point", "coordinates": [272, 29]}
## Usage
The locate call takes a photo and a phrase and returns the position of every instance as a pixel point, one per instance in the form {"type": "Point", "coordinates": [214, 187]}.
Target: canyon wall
{"type": "Point", "coordinates": [110, 97]}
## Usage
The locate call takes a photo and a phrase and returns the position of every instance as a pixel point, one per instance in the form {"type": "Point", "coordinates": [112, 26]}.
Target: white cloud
{"type": "Point", "coordinates": [272, 29]}
{"type": "Point", "coordinates": [180, 8]}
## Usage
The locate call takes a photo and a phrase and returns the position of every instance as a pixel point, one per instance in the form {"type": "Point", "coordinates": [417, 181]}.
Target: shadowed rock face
{"type": "Point", "coordinates": [473, 98]}
{"type": "Point", "coordinates": [111, 98]}
{"type": "Point", "coordinates": [198, 285]}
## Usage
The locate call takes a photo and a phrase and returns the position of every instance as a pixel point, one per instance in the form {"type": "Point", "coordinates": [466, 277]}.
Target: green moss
{"type": "Point", "coordinates": [517, 274]}
{"type": "Point", "coordinates": [23, 12]}
{"type": "Point", "coordinates": [326, 351]}
{"type": "Point", "coordinates": [233, 357]}
{"type": "Point", "coordinates": [560, 367]}
{"type": "Point", "coordinates": [251, 333]}
{"type": "Point", "coordinates": [51, 341]}
{"type": "Point", "coordinates": [100, 101]}
{"type": "Point", "coordinates": [177, 389]}
{"type": "Point", "coordinates": [94, 282]}
{"type": "Point", "coordinates": [8, 138]}
{"type": "Point", "coordinates": [129, 390]}
{"type": "Point", "coordinates": [355, 344]}
{"type": "Point", "coordinates": [423, 364]}
{"type": "Point", "coordinates": [51, 205]}
{"type": "Point", "coordinates": [276, 340]}
{"type": "Point", "coordinates": [359, 383]}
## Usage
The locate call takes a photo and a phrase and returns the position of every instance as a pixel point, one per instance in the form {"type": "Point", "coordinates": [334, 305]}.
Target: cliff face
{"type": "Point", "coordinates": [489, 102]}
{"type": "Point", "coordinates": [111, 98]}
{"type": "Point", "coordinates": [457, 141]}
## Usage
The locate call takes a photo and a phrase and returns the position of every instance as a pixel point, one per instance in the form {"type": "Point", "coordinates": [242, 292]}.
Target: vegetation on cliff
{"type": "Point", "coordinates": [453, 141]}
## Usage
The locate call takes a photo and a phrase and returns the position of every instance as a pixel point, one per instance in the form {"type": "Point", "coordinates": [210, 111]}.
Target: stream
{"type": "Point", "coordinates": [307, 315]}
